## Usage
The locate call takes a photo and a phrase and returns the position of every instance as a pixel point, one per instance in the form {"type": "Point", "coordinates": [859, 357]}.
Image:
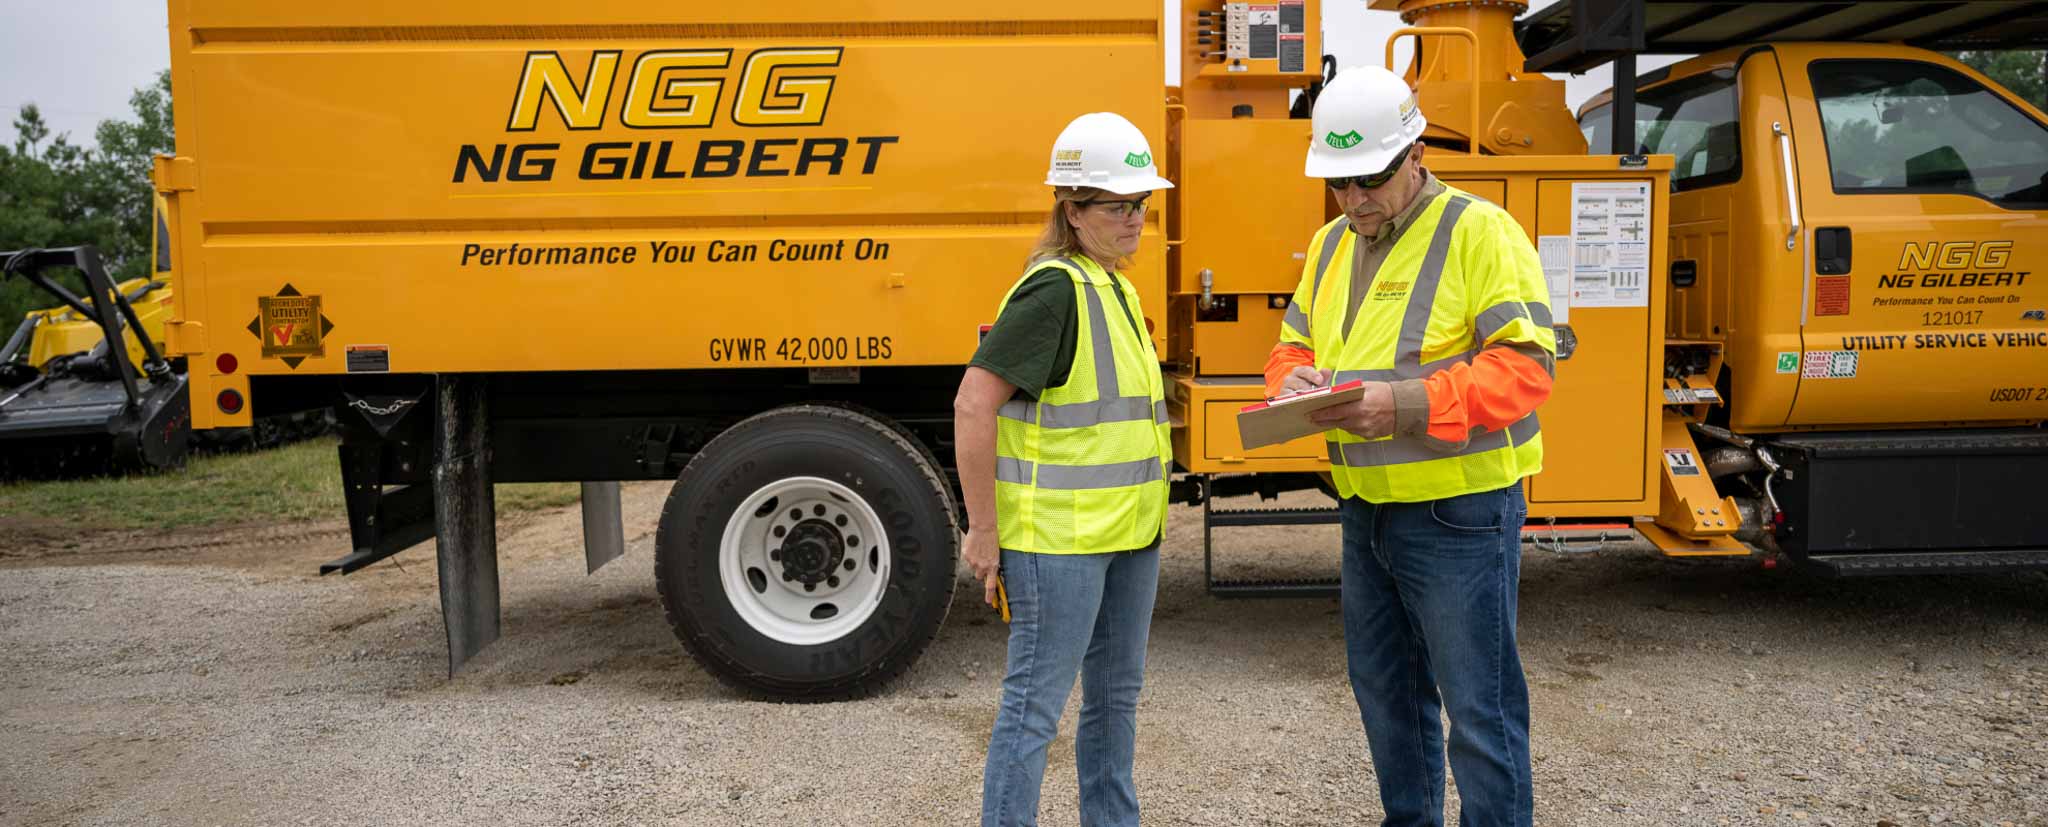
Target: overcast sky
{"type": "Point", "coordinates": [80, 59]}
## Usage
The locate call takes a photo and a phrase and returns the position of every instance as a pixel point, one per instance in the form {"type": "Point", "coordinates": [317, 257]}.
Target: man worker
{"type": "Point", "coordinates": [1435, 299]}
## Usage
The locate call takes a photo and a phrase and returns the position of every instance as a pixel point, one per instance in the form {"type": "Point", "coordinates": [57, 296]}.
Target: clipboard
{"type": "Point", "coordinates": [1285, 417]}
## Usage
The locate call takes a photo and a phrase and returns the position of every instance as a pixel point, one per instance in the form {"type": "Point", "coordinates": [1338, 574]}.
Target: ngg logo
{"type": "Point", "coordinates": [772, 88]}
{"type": "Point", "coordinates": [670, 89]}
{"type": "Point", "coordinates": [1954, 255]}
{"type": "Point", "coordinates": [1955, 264]}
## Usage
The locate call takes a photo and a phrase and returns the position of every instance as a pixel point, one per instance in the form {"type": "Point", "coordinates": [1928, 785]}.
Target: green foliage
{"type": "Point", "coordinates": [54, 193]}
{"type": "Point", "coordinates": [293, 483]}
{"type": "Point", "coordinates": [2017, 70]}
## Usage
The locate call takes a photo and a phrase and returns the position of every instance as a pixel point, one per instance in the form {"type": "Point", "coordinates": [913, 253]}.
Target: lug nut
{"type": "Point", "coordinates": [832, 581]}
{"type": "Point", "coordinates": [775, 554]}
{"type": "Point", "coordinates": [810, 587]}
{"type": "Point", "coordinates": [818, 510]}
{"type": "Point", "coordinates": [853, 541]}
{"type": "Point", "coordinates": [839, 521]}
{"type": "Point", "coordinates": [849, 565]}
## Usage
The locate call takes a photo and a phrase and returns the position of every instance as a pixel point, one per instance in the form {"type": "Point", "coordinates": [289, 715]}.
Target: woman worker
{"type": "Point", "coordinates": [1063, 451]}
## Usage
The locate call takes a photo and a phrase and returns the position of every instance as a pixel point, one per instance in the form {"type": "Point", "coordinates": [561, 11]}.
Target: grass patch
{"type": "Point", "coordinates": [297, 482]}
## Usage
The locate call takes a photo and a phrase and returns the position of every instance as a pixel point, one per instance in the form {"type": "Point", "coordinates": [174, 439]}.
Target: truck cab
{"type": "Point", "coordinates": [1856, 248]}
{"type": "Point", "coordinates": [1860, 226]}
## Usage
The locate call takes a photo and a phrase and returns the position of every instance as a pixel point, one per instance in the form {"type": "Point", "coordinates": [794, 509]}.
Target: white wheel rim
{"type": "Point", "coordinates": [799, 531]}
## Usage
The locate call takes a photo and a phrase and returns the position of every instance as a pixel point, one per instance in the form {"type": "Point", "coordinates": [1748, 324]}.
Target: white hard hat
{"type": "Point", "coordinates": [1105, 151]}
{"type": "Point", "coordinates": [1363, 118]}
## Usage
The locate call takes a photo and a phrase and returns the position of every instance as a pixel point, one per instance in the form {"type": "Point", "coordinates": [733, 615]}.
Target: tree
{"type": "Point", "coordinates": [120, 177]}
{"type": "Point", "coordinates": [54, 193]}
{"type": "Point", "coordinates": [2020, 71]}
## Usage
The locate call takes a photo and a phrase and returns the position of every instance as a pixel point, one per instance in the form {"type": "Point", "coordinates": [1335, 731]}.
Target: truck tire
{"type": "Point", "coordinates": [807, 554]}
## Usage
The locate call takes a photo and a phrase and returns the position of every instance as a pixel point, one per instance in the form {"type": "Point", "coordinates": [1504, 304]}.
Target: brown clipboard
{"type": "Point", "coordinates": [1284, 418]}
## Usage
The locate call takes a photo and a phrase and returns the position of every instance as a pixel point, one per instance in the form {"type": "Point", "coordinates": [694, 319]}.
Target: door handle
{"type": "Point", "coordinates": [1831, 251]}
{"type": "Point", "coordinates": [1791, 185]}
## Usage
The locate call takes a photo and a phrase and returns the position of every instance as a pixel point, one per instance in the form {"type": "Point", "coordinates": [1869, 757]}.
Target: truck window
{"type": "Point", "coordinates": [1899, 126]}
{"type": "Point", "coordinates": [1692, 119]}
{"type": "Point", "coordinates": [163, 245]}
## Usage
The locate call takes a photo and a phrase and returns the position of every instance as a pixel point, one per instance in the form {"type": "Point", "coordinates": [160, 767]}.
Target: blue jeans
{"type": "Point", "coordinates": [1082, 613]}
{"type": "Point", "coordinates": [1429, 627]}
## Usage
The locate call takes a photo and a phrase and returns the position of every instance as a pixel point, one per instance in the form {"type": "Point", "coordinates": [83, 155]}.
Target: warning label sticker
{"type": "Point", "coordinates": [1828, 364]}
{"type": "Point", "coordinates": [1610, 244]}
{"type": "Point", "coordinates": [1788, 361]}
{"type": "Point", "coordinates": [1293, 36]}
{"type": "Point", "coordinates": [1265, 31]}
{"type": "Point", "coordinates": [1681, 462]}
{"type": "Point", "coordinates": [291, 326]}
{"type": "Point", "coordinates": [368, 358]}
{"type": "Point", "coordinates": [1831, 296]}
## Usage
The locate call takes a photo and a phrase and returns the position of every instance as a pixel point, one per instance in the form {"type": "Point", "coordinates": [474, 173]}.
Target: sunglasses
{"type": "Point", "coordinates": [1120, 209]}
{"type": "Point", "coordinates": [1375, 180]}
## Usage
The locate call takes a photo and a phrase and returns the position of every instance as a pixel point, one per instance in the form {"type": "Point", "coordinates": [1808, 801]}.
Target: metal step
{"type": "Point", "coordinates": [1256, 517]}
{"type": "Point", "coordinates": [1876, 564]}
{"type": "Point", "coordinates": [383, 523]}
{"type": "Point", "coordinates": [1273, 516]}
{"type": "Point", "coordinates": [1327, 587]}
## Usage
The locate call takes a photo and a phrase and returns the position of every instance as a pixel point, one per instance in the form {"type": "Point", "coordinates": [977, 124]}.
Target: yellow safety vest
{"type": "Point", "coordinates": [1459, 278]}
{"type": "Point", "coordinates": [1083, 469]}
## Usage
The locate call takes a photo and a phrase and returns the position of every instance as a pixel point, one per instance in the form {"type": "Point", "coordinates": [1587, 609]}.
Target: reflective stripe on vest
{"type": "Point", "coordinates": [1407, 468]}
{"type": "Point", "coordinates": [1079, 477]}
{"type": "Point", "coordinates": [1399, 451]}
{"type": "Point", "coordinates": [1083, 468]}
{"type": "Point", "coordinates": [1084, 414]}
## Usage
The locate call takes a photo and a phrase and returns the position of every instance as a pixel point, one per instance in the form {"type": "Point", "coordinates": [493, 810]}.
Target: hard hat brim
{"type": "Point", "coordinates": [1136, 184]}
{"type": "Point", "coordinates": [1122, 185]}
{"type": "Point", "coordinates": [1321, 165]}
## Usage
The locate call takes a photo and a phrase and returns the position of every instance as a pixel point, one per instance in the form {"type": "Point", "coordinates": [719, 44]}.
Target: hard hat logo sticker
{"type": "Point", "coordinates": [1344, 141]}
{"type": "Point", "coordinates": [1140, 160]}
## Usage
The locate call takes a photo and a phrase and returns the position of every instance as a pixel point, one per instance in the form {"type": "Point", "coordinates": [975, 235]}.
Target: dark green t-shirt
{"type": "Point", "coordinates": [1031, 345]}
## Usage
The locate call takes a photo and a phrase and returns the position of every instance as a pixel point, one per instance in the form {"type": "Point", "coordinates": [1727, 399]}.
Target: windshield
{"type": "Point", "coordinates": [1692, 120]}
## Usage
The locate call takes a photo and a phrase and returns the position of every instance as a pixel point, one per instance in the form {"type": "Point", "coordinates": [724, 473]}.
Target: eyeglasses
{"type": "Point", "coordinates": [1375, 180]}
{"type": "Point", "coordinates": [1120, 209]}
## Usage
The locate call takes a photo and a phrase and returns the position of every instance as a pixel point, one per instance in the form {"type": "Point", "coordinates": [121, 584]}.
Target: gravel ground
{"type": "Point", "coordinates": [212, 679]}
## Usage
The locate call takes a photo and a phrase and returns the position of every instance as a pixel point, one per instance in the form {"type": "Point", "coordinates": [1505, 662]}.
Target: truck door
{"type": "Point", "coordinates": [1922, 239]}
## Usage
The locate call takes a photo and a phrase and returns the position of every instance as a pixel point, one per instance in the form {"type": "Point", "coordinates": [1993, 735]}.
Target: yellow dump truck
{"type": "Point", "coordinates": [749, 249]}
